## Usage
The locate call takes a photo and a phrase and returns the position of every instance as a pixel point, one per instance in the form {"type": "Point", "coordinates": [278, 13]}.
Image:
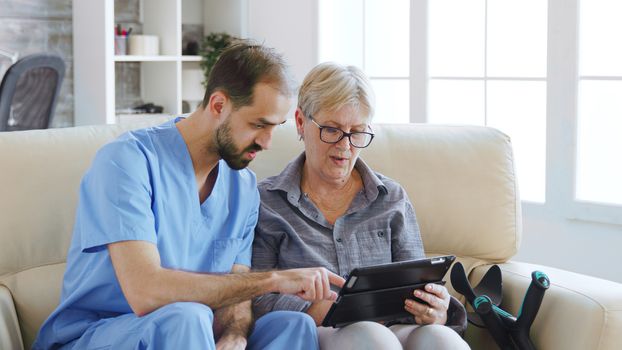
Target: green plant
{"type": "Point", "coordinates": [211, 47]}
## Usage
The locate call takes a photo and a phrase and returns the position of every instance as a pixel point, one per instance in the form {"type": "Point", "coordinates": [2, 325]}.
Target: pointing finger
{"type": "Point", "coordinates": [335, 279]}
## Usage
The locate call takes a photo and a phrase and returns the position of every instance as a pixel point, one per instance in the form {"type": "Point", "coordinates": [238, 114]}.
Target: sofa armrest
{"type": "Point", "coordinates": [577, 312]}
{"type": "Point", "coordinates": [10, 335]}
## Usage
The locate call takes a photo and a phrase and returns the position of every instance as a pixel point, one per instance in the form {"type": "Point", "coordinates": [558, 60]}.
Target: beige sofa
{"type": "Point", "coordinates": [460, 179]}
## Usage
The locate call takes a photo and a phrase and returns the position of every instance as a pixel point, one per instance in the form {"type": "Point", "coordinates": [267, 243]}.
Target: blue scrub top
{"type": "Point", "coordinates": [142, 187]}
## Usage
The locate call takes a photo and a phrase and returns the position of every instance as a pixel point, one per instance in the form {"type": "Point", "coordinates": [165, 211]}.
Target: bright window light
{"type": "Point", "coordinates": [599, 168]}
{"type": "Point", "coordinates": [518, 108]}
{"type": "Point", "coordinates": [341, 32]}
{"type": "Point", "coordinates": [516, 43]}
{"type": "Point", "coordinates": [390, 97]}
{"type": "Point", "coordinates": [600, 38]}
{"type": "Point", "coordinates": [599, 120]}
{"type": "Point", "coordinates": [467, 102]}
{"type": "Point", "coordinates": [456, 32]}
{"type": "Point", "coordinates": [387, 37]}
{"type": "Point", "coordinates": [373, 35]}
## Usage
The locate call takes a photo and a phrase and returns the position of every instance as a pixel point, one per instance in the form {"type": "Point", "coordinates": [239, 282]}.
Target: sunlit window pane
{"type": "Point", "coordinates": [456, 102]}
{"type": "Point", "coordinates": [456, 38]}
{"type": "Point", "coordinates": [600, 37]}
{"type": "Point", "coordinates": [599, 168]}
{"type": "Point", "coordinates": [387, 38]}
{"type": "Point", "coordinates": [392, 96]}
{"type": "Point", "coordinates": [341, 31]}
{"type": "Point", "coordinates": [517, 33]}
{"type": "Point", "coordinates": [518, 108]}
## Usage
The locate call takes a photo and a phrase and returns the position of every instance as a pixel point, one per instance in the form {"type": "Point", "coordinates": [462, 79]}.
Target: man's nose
{"type": "Point", "coordinates": [265, 139]}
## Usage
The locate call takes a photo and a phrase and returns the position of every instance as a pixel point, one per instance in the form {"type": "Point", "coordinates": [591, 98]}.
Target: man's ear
{"type": "Point", "coordinates": [217, 102]}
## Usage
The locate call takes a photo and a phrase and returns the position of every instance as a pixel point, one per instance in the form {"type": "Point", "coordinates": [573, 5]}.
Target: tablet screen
{"type": "Point", "coordinates": [398, 274]}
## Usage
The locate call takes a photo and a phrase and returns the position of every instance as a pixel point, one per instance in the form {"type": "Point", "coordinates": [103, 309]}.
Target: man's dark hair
{"type": "Point", "coordinates": [241, 66]}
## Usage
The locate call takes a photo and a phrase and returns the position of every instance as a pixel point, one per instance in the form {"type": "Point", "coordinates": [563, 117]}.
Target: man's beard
{"type": "Point", "coordinates": [227, 150]}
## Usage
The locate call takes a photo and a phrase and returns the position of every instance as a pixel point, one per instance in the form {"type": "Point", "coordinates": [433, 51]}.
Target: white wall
{"type": "Point", "coordinates": [580, 246]}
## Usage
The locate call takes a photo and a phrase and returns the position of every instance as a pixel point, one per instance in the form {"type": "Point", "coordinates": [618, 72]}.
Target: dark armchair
{"type": "Point", "coordinates": [29, 91]}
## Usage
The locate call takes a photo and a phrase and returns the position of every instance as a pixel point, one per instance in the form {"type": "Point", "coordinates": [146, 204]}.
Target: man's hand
{"type": "Point", "coordinates": [231, 342]}
{"type": "Point", "coordinates": [309, 283]}
{"type": "Point", "coordinates": [437, 297]}
{"type": "Point", "coordinates": [232, 323]}
{"type": "Point", "coordinates": [147, 285]}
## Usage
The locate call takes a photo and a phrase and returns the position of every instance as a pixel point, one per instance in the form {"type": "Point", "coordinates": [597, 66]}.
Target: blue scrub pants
{"type": "Point", "coordinates": [187, 325]}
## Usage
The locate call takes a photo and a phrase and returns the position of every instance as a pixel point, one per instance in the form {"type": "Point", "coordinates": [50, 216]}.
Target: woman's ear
{"type": "Point", "coordinates": [300, 123]}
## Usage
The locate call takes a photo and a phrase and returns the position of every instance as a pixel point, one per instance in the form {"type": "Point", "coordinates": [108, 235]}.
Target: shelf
{"type": "Point", "coordinates": [133, 118]}
{"type": "Point", "coordinates": [186, 58]}
{"type": "Point", "coordinates": [136, 58]}
{"type": "Point", "coordinates": [167, 79]}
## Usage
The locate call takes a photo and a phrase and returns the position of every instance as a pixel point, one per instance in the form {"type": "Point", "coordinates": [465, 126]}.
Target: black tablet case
{"type": "Point", "coordinates": [377, 293]}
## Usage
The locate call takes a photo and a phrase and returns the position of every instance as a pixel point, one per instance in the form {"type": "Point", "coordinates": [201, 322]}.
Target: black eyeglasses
{"type": "Point", "coordinates": [329, 134]}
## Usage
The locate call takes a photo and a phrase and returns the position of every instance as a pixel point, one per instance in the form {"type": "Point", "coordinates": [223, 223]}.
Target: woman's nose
{"type": "Point", "coordinates": [344, 143]}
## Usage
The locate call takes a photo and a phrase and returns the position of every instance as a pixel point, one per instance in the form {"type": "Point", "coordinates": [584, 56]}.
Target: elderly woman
{"type": "Point", "coordinates": [327, 208]}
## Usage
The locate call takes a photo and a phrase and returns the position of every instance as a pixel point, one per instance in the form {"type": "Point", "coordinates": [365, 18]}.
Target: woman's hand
{"type": "Point", "coordinates": [437, 297]}
{"type": "Point", "coordinates": [318, 311]}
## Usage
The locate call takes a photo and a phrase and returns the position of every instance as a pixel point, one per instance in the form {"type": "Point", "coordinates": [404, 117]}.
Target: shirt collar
{"type": "Point", "coordinates": [289, 180]}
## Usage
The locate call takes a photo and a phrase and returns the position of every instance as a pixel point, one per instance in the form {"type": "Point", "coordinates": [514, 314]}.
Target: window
{"type": "Point", "coordinates": [547, 73]}
{"type": "Point", "coordinates": [599, 124]}
{"type": "Point", "coordinates": [373, 35]}
{"type": "Point", "coordinates": [486, 65]}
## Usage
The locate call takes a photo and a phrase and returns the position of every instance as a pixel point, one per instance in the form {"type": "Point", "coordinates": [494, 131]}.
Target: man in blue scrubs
{"type": "Point", "coordinates": [161, 248]}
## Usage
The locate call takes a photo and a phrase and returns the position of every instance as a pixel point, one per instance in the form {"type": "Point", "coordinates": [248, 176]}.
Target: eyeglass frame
{"type": "Point", "coordinates": [343, 134]}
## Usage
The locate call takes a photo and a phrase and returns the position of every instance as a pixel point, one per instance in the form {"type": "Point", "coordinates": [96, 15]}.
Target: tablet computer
{"type": "Point", "coordinates": [377, 293]}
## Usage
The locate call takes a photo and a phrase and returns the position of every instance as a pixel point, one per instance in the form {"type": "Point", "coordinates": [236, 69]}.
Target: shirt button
{"type": "Point", "coordinates": [338, 240]}
{"type": "Point", "coordinates": [380, 234]}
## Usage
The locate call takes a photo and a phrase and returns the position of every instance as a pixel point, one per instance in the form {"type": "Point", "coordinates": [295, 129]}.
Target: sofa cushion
{"type": "Point", "coordinates": [10, 336]}
{"type": "Point", "coordinates": [36, 292]}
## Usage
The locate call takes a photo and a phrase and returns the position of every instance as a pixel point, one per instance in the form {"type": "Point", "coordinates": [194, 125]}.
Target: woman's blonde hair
{"type": "Point", "coordinates": [330, 86]}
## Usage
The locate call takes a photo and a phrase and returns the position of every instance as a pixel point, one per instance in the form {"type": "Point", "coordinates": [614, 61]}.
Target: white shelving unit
{"type": "Point", "coordinates": [166, 79]}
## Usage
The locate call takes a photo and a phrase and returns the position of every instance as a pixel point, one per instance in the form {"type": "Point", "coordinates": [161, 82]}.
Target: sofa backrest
{"type": "Point", "coordinates": [460, 179]}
